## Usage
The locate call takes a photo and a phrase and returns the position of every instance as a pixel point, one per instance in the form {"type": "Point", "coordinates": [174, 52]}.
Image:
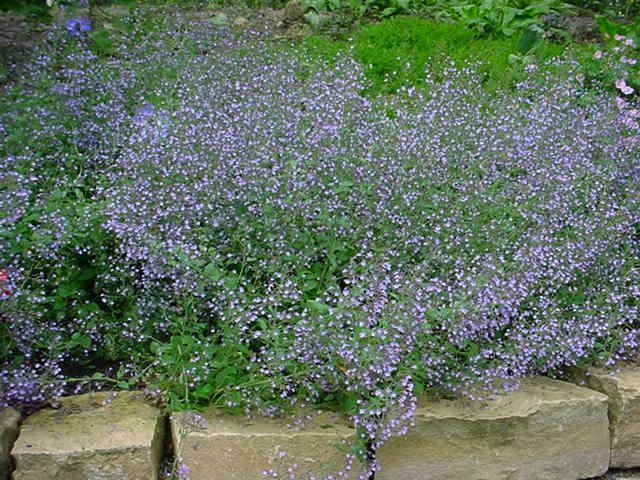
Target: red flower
{"type": "Point", "coordinates": [4, 276]}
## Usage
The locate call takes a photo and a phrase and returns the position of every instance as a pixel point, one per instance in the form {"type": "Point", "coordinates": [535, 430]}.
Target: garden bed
{"type": "Point", "coordinates": [208, 205]}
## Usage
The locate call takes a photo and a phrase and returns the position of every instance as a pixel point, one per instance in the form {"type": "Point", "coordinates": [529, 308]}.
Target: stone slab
{"type": "Point", "coordinates": [91, 437]}
{"type": "Point", "coordinates": [9, 421]}
{"type": "Point", "coordinates": [547, 430]}
{"type": "Point", "coordinates": [226, 447]}
{"type": "Point", "coordinates": [622, 387]}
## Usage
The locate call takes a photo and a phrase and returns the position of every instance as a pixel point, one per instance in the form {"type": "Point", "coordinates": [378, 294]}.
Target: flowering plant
{"type": "Point", "coordinates": [78, 26]}
{"type": "Point", "coordinates": [5, 285]}
{"type": "Point", "coordinates": [233, 224]}
{"type": "Point", "coordinates": [622, 60]}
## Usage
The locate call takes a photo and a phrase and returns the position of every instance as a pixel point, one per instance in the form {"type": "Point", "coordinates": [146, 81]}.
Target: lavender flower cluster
{"type": "Point", "coordinates": [304, 243]}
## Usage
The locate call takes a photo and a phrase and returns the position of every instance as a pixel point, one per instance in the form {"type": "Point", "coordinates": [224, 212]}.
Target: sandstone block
{"type": "Point", "coordinates": [547, 430]}
{"type": "Point", "coordinates": [9, 420]}
{"type": "Point", "coordinates": [623, 391]}
{"type": "Point", "coordinates": [226, 447]}
{"type": "Point", "coordinates": [91, 437]}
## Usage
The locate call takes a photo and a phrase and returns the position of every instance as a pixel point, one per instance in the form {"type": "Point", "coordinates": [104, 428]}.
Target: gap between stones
{"type": "Point", "coordinates": [371, 456]}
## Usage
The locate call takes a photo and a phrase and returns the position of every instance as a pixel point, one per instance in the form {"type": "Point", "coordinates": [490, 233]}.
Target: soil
{"type": "Point", "coordinates": [18, 36]}
{"type": "Point", "coordinates": [633, 474]}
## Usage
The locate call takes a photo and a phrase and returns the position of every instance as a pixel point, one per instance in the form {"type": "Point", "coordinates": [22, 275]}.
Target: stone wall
{"type": "Point", "coordinates": [547, 430]}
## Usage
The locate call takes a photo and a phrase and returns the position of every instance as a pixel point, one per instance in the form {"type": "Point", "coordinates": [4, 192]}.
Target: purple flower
{"type": "Point", "coordinates": [623, 87]}
{"type": "Point", "coordinates": [77, 26]}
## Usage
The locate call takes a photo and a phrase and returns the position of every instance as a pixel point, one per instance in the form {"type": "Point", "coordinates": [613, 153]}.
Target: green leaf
{"type": "Point", "coordinates": [225, 374]}
{"type": "Point", "coordinates": [312, 18]}
{"type": "Point", "coordinates": [68, 289]}
{"type": "Point", "coordinates": [80, 340]}
{"type": "Point", "coordinates": [387, 12]}
{"type": "Point", "coordinates": [86, 274]}
{"type": "Point", "coordinates": [349, 403]}
{"type": "Point", "coordinates": [231, 282]}
{"type": "Point", "coordinates": [204, 391]}
{"type": "Point", "coordinates": [317, 5]}
{"type": "Point", "coordinates": [606, 26]}
{"type": "Point", "coordinates": [509, 15]}
{"type": "Point", "coordinates": [529, 41]}
{"type": "Point", "coordinates": [263, 324]}
{"type": "Point", "coordinates": [343, 188]}
{"type": "Point", "coordinates": [513, 58]}
{"type": "Point", "coordinates": [212, 272]}
{"type": "Point", "coordinates": [318, 307]}
{"type": "Point", "coordinates": [102, 44]}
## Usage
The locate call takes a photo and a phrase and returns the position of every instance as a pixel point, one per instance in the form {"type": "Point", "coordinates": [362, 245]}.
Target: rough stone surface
{"type": "Point", "coordinates": [547, 430]}
{"type": "Point", "coordinates": [9, 420]}
{"type": "Point", "coordinates": [226, 447]}
{"type": "Point", "coordinates": [293, 12]}
{"type": "Point", "coordinates": [18, 36]}
{"type": "Point", "coordinates": [91, 437]}
{"type": "Point", "coordinates": [622, 387]}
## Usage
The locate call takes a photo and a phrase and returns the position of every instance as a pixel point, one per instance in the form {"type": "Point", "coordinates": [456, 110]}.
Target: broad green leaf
{"type": "Point", "coordinates": [529, 41]}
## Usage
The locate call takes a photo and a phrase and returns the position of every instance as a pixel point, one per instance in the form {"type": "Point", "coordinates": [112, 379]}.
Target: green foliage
{"type": "Point", "coordinates": [485, 17]}
{"type": "Point", "coordinates": [527, 45]}
{"type": "Point", "coordinates": [613, 8]}
{"type": "Point", "coordinates": [507, 17]}
{"type": "Point", "coordinates": [101, 43]}
{"type": "Point", "coordinates": [603, 72]}
{"type": "Point", "coordinates": [246, 3]}
{"type": "Point", "coordinates": [360, 8]}
{"type": "Point", "coordinates": [397, 50]}
{"type": "Point", "coordinates": [610, 28]}
{"type": "Point", "coordinates": [197, 362]}
{"type": "Point", "coordinates": [37, 9]}
{"type": "Point", "coordinates": [192, 366]}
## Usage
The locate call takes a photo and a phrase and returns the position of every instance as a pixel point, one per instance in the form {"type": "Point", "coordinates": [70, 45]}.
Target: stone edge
{"type": "Point", "coordinates": [166, 439]}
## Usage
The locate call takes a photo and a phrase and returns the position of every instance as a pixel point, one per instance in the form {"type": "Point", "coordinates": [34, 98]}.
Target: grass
{"type": "Point", "coordinates": [396, 51]}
